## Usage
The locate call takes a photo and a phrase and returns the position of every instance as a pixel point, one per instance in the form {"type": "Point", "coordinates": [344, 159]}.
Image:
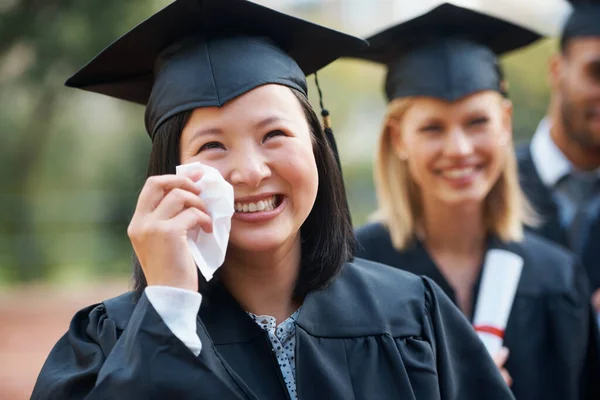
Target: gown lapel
{"type": "Point", "coordinates": [420, 262]}
{"type": "Point", "coordinates": [244, 346]}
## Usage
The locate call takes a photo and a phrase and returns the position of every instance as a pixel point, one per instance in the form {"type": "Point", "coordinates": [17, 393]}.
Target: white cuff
{"type": "Point", "coordinates": [178, 308]}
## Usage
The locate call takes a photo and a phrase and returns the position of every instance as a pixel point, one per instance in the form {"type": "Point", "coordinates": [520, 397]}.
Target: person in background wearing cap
{"type": "Point", "coordinates": [289, 314]}
{"type": "Point", "coordinates": [448, 193]}
{"type": "Point", "coordinates": [560, 167]}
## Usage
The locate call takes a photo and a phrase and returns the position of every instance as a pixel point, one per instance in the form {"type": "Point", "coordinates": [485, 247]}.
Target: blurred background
{"type": "Point", "coordinates": [72, 163]}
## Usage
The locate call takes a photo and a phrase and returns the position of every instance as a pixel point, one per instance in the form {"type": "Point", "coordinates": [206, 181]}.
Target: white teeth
{"type": "Point", "coordinates": [459, 172]}
{"type": "Point", "coordinates": [261, 205]}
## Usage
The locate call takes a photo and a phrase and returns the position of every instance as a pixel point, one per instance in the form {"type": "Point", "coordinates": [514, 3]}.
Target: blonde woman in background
{"type": "Point", "coordinates": [448, 194]}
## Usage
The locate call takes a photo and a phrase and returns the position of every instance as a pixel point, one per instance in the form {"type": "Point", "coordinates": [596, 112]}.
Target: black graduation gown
{"type": "Point", "coordinates": [542, 199]}
{"type": "Point", "coordinates": [551, 331]}
{"type": "Point", "coordinates": [374, 333]}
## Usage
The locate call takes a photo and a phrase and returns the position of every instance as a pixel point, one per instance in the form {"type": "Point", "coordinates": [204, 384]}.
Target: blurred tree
{"type": "Point", "coordinates": [526, 72]}
{"type": "Point", "coordinates": [41, 43]}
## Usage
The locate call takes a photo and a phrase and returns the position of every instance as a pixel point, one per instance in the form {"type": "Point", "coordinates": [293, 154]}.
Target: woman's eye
{"type": "Point", "coordinates": [431, 128]}
{"type": "Point", "coordinates": [273, 134]}
{"type": "Point", "coordinates": [478, 121]}
{"type": "Point", "coordinates": [210, 146]}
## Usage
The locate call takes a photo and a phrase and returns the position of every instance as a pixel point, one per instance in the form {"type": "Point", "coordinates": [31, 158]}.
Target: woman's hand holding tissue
{"type": "Point", "coordinates": [500, 359]}
{"type": "Point", "coordinates": [168, 206]}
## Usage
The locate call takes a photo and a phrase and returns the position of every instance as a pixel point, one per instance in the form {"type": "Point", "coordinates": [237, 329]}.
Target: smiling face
{"type": "Point", "coordinates": [455, 151]}
{"type": "Point", "coordinates": [575, 78]}
{"type": "Point", "coordinates": [261, 143]}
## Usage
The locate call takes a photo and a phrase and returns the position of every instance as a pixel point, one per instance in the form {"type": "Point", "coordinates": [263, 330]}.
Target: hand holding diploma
{"type": "Point", "coordinates": [500, 359]}
{"type": "Point", "coordinates": [501, 275]}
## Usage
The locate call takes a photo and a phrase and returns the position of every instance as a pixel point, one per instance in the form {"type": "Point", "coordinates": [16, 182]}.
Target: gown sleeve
{"type": "Point", "coordinates": [95, 359]}
{"type": "Point", "coordinates": [576, 339]}
{"type": "Point", "coordinates": [465, 369]}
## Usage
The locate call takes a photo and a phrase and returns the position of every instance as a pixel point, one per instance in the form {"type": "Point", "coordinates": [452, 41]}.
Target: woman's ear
{"type": "Point", "coordinates": [393, 129]}
{"type": "Point", "coordinates": [507, 114]}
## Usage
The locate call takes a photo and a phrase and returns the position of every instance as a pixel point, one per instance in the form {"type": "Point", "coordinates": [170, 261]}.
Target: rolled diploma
{"type": "Point", "coordinates": [501, 274]}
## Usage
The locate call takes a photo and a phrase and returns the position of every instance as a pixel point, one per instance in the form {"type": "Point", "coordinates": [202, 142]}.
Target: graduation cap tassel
{"type": "Point", "coordinates": [327, 125]}
{"type": "Point", "coordinates": [331, 140]}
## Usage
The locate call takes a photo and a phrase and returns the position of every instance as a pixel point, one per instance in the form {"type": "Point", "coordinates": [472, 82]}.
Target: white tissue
{"type": "Point", "coordinates": [501, 274]}
{"type": "Point", "coordinates": [208, 249]}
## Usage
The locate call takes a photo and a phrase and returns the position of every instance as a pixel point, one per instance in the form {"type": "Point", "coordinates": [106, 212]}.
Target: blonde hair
{"type": "Point", "coordinates": [506, 208]}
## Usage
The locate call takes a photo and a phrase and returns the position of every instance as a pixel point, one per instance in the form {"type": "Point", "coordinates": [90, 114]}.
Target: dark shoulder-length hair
{"type": "Point", "coordinates": [327, 235]}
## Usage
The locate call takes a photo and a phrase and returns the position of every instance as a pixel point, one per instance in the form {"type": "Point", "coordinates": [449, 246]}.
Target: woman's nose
{"type": "Point", "coordinates": [458, 143]}
{"type": "Point", "coordinates": [249, 169]}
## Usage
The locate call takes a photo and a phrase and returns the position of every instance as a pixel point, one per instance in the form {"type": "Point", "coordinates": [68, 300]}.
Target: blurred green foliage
{"type": "Point", "coordinates": [72, 163]}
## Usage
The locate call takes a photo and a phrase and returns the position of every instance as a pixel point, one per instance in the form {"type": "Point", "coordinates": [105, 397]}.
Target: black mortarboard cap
{"type": "Point", "coordinates": [584, 20]}
{"type": "Point", "coordinates": [203, 53]}
{"type": "Point", "coordinates": [448, 53]}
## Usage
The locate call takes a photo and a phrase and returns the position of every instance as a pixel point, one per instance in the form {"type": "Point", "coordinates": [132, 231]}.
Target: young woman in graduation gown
{"type": "Point", "coordinates": [289, 314]}
{"type": "Point", "coordinates": [448, 194]}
